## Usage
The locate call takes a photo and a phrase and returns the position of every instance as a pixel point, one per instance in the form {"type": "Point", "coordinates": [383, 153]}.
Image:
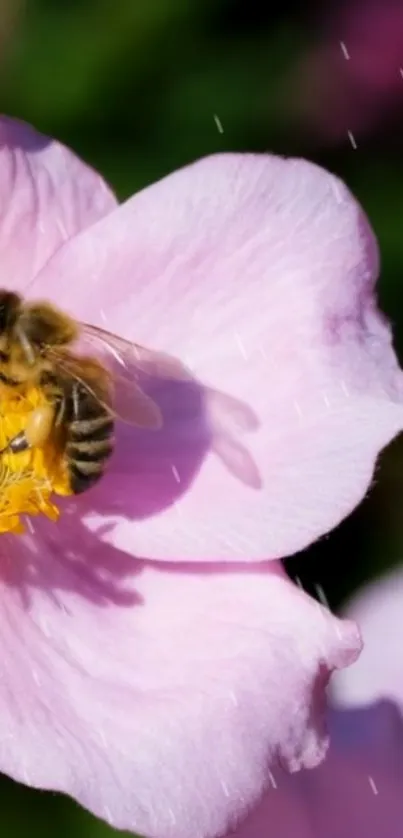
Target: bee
{"type": "Point", "coordinates": [37, 349]}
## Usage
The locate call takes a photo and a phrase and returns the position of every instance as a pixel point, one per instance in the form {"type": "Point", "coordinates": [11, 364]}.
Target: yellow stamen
{"type": "Point", "coordinates": [27, 479]}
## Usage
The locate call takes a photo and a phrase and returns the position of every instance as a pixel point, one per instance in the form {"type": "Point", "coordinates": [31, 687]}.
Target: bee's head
{"type": "Point", "coordinates": [27, 333]}
{"type": "Point", "coordinates": [44, 326]}
{"type": "Point", "coordinates": [10, 306]}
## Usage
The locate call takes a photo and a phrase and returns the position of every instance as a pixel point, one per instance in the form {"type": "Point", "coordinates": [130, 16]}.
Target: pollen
{"type": "Point", "coordinates": [29, 479]}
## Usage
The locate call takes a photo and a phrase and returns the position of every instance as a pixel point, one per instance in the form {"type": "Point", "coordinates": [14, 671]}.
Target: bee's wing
{"type": "Point", "coordinates": [130, 404]}
{"type": "Point", "coordinates": [132, 356]}
{"type": "Point", "coordinates": [128, 365]}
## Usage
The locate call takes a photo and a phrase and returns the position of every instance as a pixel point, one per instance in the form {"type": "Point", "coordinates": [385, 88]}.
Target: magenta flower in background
{"type": "Point", "coordinates": [354, 78]}
{"type": "Point", "coordinates": [356, 791]}
{"type": "Point", "coordinates": [156, 665]}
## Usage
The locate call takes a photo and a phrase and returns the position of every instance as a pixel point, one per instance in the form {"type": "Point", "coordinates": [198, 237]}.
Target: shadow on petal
{"type": "Point", "coordinates": [151, 468]}
{"type": "Point", "coordinates": [149, 471]}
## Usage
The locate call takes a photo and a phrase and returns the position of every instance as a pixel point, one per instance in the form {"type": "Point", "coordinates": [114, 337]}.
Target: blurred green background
{"type": "Point", "coordinates": [140, 87]}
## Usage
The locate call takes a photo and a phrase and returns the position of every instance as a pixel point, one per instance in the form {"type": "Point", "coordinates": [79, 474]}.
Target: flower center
{"type": "Point", "coordinates": [27, 479]}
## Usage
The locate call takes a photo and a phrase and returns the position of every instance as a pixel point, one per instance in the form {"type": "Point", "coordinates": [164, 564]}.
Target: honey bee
{"type": "Point", "coordinates": [37, 349]}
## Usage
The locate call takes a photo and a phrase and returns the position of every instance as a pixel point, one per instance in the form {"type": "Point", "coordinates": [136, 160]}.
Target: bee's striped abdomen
{"type": "Point", "coordinates": [89, 438]}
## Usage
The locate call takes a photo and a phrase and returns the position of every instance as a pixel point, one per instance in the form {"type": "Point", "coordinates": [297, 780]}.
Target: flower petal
{"type": "Point", "coordinates": [47, 195]}
{"type": "Point", "coordinates": [356, 791]}
{"type": "Point", "coordinates": [379, 673]}
{"type": "Point", "coordinates": [258, 272]}
{"type": "Point", "coordinates": [158, 694]}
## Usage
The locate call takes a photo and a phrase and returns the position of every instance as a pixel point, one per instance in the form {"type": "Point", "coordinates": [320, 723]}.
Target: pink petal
{"type": "Point", "coordinates": [159, 694]}
{"type": "Point", "coordinates": [355, 792]}
{"type": "Point", "coordinates": [279, 814]}
{"type": "Point", "coordinates": [47, 195]}
{"type": "Point", "coordinates": [258, 272]}
{"type": "Point", "coordinates": [379, 672]}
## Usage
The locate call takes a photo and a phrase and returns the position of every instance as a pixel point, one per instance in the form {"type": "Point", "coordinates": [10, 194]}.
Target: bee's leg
{"type": "Point", "coordinates": [36, 432]}
{"type": "Point", "coordinates": [16, 444]}
{"type": "Point", "coordinates": [75, 400]}
{"type": "Point", "coordinates": [60, 407]}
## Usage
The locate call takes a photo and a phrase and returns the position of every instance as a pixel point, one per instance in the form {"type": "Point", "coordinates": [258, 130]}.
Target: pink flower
{"type": "Point", "coordinates": [154, 665]}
